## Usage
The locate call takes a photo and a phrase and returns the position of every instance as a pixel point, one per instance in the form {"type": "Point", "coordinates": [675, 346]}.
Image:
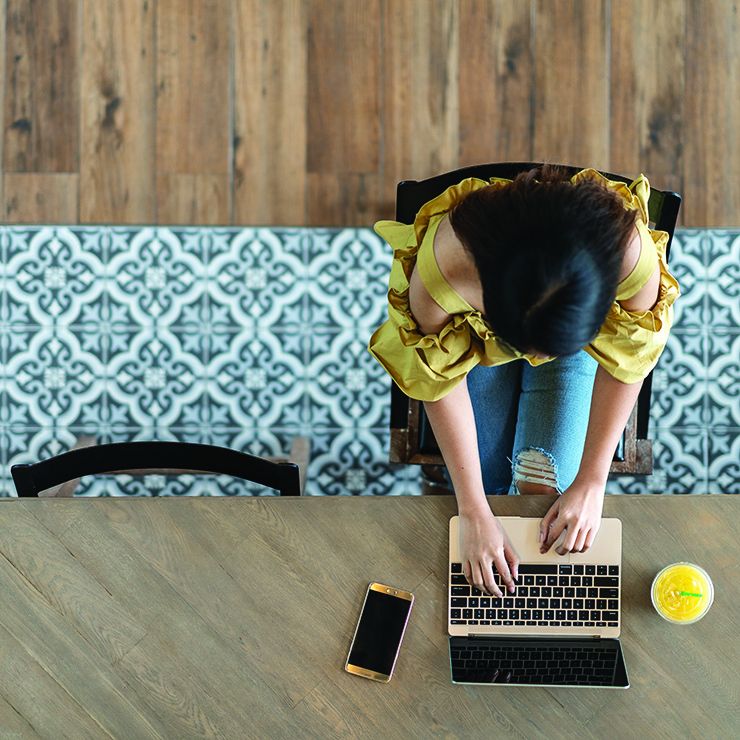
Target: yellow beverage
{"type": "Point", "coordinates": [682, 593]}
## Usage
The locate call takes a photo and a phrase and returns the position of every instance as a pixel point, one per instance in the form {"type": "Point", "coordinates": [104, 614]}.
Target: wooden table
{"type": "Point", "coordinates": [232, 618]}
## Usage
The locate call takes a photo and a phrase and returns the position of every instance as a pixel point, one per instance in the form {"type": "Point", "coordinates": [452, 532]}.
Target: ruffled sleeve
{"type": "Point", "coordinates": [428, 366]}
{"type": "Point", "coordinates": [630, 343]}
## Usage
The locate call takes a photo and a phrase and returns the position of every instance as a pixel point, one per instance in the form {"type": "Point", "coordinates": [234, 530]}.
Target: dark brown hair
{"type": "Point", "coordinates": [548, 252]}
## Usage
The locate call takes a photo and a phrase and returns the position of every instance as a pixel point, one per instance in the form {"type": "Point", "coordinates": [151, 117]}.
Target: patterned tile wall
{"type": "Point", "coordinates": [246, 337]}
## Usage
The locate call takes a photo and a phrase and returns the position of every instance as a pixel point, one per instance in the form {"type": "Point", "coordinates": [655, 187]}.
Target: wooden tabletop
{"type": "Point", "coordinates": [232, 617]}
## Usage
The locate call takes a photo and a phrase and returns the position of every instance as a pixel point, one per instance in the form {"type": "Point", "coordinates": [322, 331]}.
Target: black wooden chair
{"type": "Point", "coordinates": [164, 458]}
{"type": "Point", "coordinates": [412, 439]}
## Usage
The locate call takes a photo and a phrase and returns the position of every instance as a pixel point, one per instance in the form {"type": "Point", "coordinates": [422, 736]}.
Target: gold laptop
{"type": "Point", "coordinates": [558, 628]}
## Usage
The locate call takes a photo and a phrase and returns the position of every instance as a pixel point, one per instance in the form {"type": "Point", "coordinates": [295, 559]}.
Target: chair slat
{"type": "Point", "coordinates": [155, 456]}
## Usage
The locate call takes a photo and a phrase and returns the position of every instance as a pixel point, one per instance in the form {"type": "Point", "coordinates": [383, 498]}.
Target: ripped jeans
{"type": "Point", "coordinates": [531, 421]}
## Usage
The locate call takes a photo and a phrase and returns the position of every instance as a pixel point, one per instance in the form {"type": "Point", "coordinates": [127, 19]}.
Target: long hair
{"type": "Point", "coordinates": [548, 252]}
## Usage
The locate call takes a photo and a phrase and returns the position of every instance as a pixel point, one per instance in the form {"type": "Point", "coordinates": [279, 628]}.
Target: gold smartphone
{"type": "Point", "coordinates": [379, 632]}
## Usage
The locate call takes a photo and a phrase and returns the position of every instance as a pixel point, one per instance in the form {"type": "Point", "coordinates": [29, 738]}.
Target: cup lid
{"type": "Point", "coordinates": [682, 592]}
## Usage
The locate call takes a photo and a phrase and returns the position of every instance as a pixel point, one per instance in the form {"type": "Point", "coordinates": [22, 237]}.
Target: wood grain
{"type": "Point", "coordinates": [117, 112]}
{"type": "Point", "coordinates": [270, 110]}
{"type": "Point", "coordinates": [236, 614]}
{"type": "Point", "coordinates": [343, 109]}
{"type": "Point", "coordinates": [36, 198]}
{"type": "Point", "coordinates": [571, 99]}
{"type": "Point", "coordinates": [193, 119]}
{"type": "Point", "coordinates": [309, 112]}
{"type": "Point", "coordinates": [496, 72]}
{"type": "Point", "coordinates": [646, 91]}
{"type": "Point", "coordinates": [42, 86]}
{"type": "Point", "coordinates": [711, 163]}
{"type": "Point", "coordinates": [420, 92]}
{"type": "Point", "coordinates": [5, 46]}
{"type": "Point", "coordinates": [193, 199]}
{"type": "Point", "coordinates": [343, 76]}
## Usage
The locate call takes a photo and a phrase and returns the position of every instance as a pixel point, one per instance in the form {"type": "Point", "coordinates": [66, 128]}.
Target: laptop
{"type": "Point", "coordinates": [560, 628]}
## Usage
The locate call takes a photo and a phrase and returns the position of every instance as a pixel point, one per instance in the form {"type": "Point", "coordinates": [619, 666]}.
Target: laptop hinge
{"type": "Point", "coordinates": [478, 636]}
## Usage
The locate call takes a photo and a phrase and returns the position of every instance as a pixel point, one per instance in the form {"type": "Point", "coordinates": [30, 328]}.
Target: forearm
{"type": "Point", "coordinates": [453, 424]}
{"type": "Point", "coordinates": [611, 404]}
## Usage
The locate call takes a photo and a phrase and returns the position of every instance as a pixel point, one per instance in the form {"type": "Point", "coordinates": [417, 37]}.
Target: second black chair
{"type": "Point", "coordinates": [155, 457]}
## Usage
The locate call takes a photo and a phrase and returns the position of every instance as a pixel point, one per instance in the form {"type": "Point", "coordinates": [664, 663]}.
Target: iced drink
{"type": "Point", "coordinates": [682, 593]}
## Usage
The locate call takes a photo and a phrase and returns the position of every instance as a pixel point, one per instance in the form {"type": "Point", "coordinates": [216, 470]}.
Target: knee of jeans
{"type": "Point", "coordinates": [534, 471]}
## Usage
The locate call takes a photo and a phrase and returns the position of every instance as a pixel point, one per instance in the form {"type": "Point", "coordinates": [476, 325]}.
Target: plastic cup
{"type": "Point", "coordinates": [682, 593]}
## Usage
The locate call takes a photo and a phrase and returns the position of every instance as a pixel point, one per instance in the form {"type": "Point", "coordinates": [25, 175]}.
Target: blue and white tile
{"type": "Point", "coordinates": [356, 465]}
{"type": "Point", "coordinates": [349, 382]}
{"type": "Point", "coordinates": [679, 381]}
{"type": "Point", "coordinates": [256, 279]}
{"type": "Point", "coordinates": [351, 279]}
{"type": "Point", "coordinates": [257, 379]}
{"type": "Point", "coordinates": [723, 379]}
{"type": "Point", "coordinates": [247, 337]}
{"type": "Point", "coordinates": [723, 281]}
{"type": "Point", "coordinates": [53, 377]}
{"type": "Point", "coordinates": [53, 277]}
{"type": "Point", "coordinates": [724, 461]}
{"type": "Point", "coordinates": [155, 278]}
{"type": "Point", "coordinates": [683, 459]}
{"type": "Point", "coordinates": [155, 377]}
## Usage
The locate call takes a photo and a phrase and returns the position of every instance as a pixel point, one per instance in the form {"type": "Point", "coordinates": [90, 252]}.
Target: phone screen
{"type": "Point", "coordinates": [379, 632]}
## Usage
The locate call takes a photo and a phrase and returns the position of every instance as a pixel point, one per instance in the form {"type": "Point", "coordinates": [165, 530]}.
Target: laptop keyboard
{"type": "Point", "coordinates": [571, 664]}
{"type": "Point", "coordinates": [547, 595]}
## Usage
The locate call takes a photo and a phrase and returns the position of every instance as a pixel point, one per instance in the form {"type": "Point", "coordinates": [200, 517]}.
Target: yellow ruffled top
{"type": "Point", "coordinates": [428, 366]}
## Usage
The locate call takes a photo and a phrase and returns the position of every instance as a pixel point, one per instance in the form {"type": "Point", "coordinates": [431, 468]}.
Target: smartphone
{"type": "Point", "coordinates": [379, 632]}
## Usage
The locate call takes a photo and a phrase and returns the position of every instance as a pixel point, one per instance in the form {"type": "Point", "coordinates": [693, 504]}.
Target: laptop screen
{"type": "Point", "coordinates": [538, 661]}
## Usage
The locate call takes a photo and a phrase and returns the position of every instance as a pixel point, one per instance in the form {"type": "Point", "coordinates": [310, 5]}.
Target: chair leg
{"type": "Point", "coordinates": [433, 481]}
{"type": "Point", "coordinates": [300, 454]}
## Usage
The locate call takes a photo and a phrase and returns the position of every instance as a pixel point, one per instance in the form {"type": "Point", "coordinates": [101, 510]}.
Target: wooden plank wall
{"type": "Point", "coordinates": [308, 112]}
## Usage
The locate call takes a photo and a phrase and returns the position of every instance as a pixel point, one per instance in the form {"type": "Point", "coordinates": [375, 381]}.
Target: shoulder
{"type": "Point", "coordinates": [457, 265]}
{"type": "Point", "coordinates": [646, 297]}
{"type": "Point", "coordinates": [459, 272]}
{"type": "Point", "coordinates": [429, 316]}
{"type": "Point", "coordinates": [631, 254]}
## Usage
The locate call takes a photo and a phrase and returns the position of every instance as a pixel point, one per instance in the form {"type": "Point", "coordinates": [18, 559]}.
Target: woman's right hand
{"type": "Point", "coordinates": [484, 542]}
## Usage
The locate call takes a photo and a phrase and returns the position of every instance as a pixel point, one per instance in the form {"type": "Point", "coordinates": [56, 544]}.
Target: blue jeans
{"type": "Point", "coordinates": [520, 410]}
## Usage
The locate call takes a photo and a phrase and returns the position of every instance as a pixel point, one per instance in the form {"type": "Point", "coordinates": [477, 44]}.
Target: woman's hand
{"type": "Point", "coordinates": [483, 542]}
{"type": "Point", "coordinates": [576, 515]}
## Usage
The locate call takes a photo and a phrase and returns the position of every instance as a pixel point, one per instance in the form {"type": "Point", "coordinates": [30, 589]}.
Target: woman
{"type": "Point", "coordinates": [561, 272]}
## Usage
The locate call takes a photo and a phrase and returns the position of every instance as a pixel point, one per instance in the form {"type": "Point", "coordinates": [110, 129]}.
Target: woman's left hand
{"type": "Point", "coordinates": [576, 515]}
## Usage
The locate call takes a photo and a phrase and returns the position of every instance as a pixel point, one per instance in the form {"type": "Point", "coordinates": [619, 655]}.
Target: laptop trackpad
{"type": "Point", "coordinates": [524, 531]}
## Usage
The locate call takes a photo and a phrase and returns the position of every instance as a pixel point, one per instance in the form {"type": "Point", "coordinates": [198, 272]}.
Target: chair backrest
{"type": "Point", "coordinates": [180, 457]}
{"type": "Point", "coordinates": [412, 439]}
